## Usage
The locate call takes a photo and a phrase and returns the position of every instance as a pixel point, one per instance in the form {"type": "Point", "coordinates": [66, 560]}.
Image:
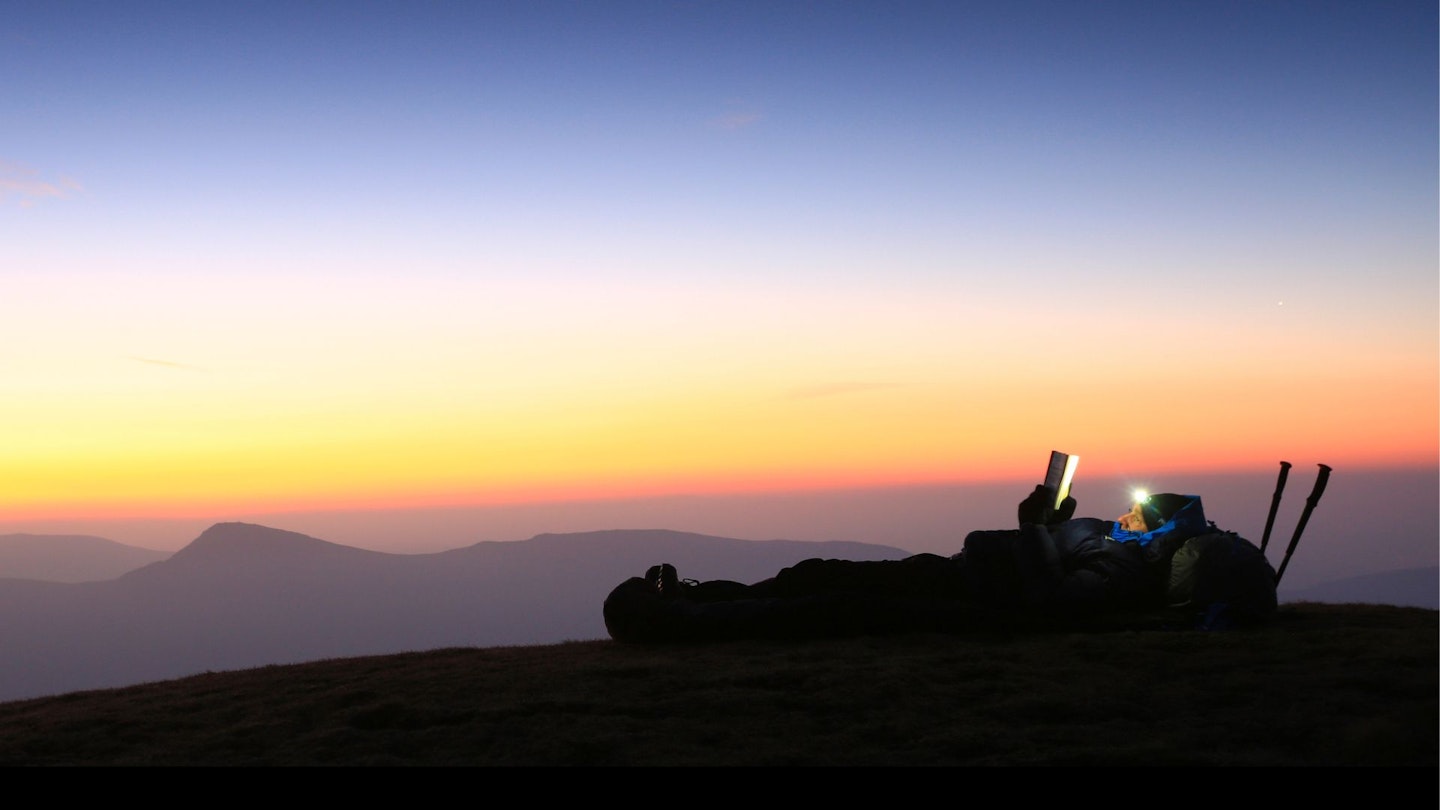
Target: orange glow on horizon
{"type": "Point", "coordinates": [824, 391]}
{"type": "Point", "coordinates": [217, 507]}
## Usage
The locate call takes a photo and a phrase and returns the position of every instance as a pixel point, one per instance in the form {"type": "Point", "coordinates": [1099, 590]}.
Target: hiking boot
{"type": "Point", "coordinates": [664, 579]}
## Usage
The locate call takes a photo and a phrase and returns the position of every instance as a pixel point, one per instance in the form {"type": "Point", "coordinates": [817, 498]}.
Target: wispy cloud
{"type": "Point", "coordinates": [836, 389]}
{"type": "Point", "coordinates": [735, 119]}
{"type": "Point", "coordinates": [25, 186]}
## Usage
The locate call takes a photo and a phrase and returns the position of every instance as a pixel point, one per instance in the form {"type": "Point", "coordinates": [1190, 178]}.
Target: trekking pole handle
{"type": "Point", "coordinates": [1320, 481]}
{"type": "Point", "coordinates": [1275, 503]}
{"type": "Point", "coordinates": [1284, 473]}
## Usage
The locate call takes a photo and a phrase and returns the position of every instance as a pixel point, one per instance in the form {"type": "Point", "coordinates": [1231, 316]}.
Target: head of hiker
{"type": "Point", "coordinates": [1150, 512]}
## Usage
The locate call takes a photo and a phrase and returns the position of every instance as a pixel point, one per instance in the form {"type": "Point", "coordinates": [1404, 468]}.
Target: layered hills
{"type": "Point", "coordinates": [243, 595]}
{"type": "Point", "coordinates": [70, 558]}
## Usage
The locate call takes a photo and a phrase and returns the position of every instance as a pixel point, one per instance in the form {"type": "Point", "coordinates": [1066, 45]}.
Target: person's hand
{"type": "Point", "coordinates": [1038, 508]}
{"type": "Point", "coordinates": [1066, 510]}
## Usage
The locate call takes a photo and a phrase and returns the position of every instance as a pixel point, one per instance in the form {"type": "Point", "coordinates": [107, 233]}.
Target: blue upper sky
{"type": "Point", "coordinates": [690, 137]}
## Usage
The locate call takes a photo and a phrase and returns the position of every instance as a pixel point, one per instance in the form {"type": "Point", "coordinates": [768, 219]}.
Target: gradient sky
{"type": "Point", "coordinates": [312, 255]}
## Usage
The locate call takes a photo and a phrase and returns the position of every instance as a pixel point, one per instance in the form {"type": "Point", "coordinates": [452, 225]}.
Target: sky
{"type": "Point", "coordinates": [299, 257]}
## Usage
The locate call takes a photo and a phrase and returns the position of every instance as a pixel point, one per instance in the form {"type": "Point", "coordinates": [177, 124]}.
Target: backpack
{"type": "Point", "coordinates": [1223, 579]}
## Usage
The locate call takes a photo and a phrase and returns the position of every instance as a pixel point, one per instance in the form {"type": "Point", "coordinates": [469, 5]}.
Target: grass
{"type": "Point", "coordinates": [1320, 685]}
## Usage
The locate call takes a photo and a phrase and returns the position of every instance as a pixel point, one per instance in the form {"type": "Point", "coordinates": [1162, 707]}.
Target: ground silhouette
{"type": "Point", "coordinates": [1319, 685]}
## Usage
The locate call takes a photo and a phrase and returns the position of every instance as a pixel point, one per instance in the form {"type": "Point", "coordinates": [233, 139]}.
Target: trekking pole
{"type": "Point", "coordinates": [1275, 504]}
{"type": "Point", "coordinates": [1304, 518]}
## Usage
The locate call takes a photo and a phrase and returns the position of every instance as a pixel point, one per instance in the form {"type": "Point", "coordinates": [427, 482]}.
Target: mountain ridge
{"type": "Point", "coordinates": [1404, 587]}
{"type": "Point", "coordinates": [62, 558]}
{"type": "Point", "coordinates": [245, 595]}
{"type": "Point", "coordinates": [70, 557]}
{"type": "Point", "coordinates": [236, 542]}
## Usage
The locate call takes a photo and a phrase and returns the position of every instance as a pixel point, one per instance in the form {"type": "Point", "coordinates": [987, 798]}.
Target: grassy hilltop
{"type": "Point", "coordinates": [1321, 685]}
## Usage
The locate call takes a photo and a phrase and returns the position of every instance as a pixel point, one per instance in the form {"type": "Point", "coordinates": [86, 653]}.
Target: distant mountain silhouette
{"type": "Point", "coordinates": [70, 558]}
{"type": "Point", "coordinates": [1410, 587]}
{"type": "Point", "coordinates": [242, 595]}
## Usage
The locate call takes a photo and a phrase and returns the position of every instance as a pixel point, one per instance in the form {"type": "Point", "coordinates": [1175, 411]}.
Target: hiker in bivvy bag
{"type": "Point", "coordinates": [1053, 570]}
